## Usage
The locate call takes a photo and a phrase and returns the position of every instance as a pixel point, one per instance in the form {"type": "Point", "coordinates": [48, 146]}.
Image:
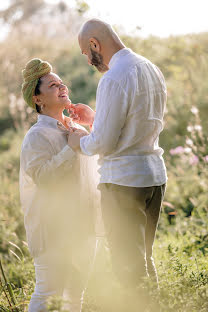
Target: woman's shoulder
{"type": "Point", "coordinates": [34, 134]}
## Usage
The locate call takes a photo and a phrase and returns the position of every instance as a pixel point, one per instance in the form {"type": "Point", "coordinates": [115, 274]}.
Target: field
{"type": "Point", "coordinates": [181, 246]}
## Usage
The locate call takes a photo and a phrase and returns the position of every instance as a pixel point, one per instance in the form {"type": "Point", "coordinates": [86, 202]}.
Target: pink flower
{"type": "Point", "coordinates": [206, 158]}
{"type": "Point", "coordinates": [177, 150]}
{"type": "Point", "coordinates": [193, 160]}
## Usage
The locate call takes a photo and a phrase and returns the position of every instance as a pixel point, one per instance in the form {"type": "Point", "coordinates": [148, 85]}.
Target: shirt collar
{"type": "Point", "coordinates": [118, 55]}
{"type": "Point", "coordinates": [47, 120]}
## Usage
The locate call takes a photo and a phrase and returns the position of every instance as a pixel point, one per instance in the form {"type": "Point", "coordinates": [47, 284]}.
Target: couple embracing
{"type": "Point", "coordinates": [57, 185]}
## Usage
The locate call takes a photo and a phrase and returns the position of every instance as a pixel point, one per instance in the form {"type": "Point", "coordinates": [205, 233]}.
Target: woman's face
{"type": "Point", "coordinates": [53, 93]}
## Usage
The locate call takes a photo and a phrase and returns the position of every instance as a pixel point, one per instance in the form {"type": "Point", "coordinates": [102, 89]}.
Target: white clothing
{"type": "Point", "coordinates": [67, 279]}
{"type": "Point", "coordinates": [58, 214]}
{"type": "Point", "coordinates": [130, 104]}
{"type": "Point", "coordinates": [48, 284]}
{"type": "Point", "coordinates": [45, 153]}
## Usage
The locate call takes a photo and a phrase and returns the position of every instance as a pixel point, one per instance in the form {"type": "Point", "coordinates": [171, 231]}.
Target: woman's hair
{"type": "Point", "coordinates": [37, 92]}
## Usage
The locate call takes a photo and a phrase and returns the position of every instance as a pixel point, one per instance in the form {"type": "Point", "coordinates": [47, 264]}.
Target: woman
{"type": "Point", "coordinates": [57, 205]}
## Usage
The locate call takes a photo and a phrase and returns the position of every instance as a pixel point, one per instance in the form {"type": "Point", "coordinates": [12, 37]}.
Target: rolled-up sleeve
{"type": "Point", "coordinates": [39, 159]}
{"type": "Point", "coordinates": [111, 111]}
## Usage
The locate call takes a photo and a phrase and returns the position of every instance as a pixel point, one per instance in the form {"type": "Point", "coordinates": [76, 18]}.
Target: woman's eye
{"type": "Point", "coordinates": [55, 84]}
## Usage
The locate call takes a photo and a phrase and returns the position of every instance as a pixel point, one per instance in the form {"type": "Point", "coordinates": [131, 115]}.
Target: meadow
{"type": "Point", "coordinates": [181, 246]}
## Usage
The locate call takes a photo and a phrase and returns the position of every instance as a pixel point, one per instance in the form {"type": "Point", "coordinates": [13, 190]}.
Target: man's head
{"type": "Point", "coordinates": [98, 41]}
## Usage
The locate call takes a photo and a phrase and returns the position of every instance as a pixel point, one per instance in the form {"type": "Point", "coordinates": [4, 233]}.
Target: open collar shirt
{"type": "Point", "coordinates": [130, 105]}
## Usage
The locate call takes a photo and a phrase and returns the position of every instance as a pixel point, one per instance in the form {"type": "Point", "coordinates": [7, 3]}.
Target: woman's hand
{"type": "Point", "coordinates": [82, 114]}
{"type": "Point", "coordinates": [74, 137]}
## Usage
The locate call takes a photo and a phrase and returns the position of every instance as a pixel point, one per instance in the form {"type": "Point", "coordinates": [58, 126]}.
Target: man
{"type": "Point", "coordinates": [130, 104]}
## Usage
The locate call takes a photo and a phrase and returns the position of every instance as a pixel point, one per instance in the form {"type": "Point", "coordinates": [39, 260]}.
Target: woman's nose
{"type": "Point", "coordinates": [62, 86]}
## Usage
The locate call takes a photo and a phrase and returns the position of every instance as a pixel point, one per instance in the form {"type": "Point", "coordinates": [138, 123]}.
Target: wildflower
{"type": "Point", "coordinates": [177, 150]}
{"type": "Point", "coordinates": [198, 127]}
{"type": "Point", "coordinates": [187, 150]}
{"type": "Point", "coordinates": [194, 110]}
{"type": "Point", "coordinates": [190, 128]}
{"type": "Point", "coordinates": [206, 158]}
{"type": "Point", "coordinates": [193, 160]}
{"type": "Point", "coordinates": [189, 142]}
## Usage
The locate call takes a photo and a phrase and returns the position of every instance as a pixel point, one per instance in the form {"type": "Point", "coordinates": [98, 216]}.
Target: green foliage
{"type": "Point", "coordinates": [183, 277]}
{"type": "Point", "coordinates": [181, 247]}
{"type": "Point", "coordinates": [184, 63]}
{"type": "Point", "coordinates": [82, 6]}
{"type": "Point", "coordinates": [77, 74]}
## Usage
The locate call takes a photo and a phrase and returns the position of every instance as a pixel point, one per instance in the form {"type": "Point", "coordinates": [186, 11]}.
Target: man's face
{"type": "Point", "coordinates": [94, 58]}
{"type": "Point", "coordinates": [97, 61]}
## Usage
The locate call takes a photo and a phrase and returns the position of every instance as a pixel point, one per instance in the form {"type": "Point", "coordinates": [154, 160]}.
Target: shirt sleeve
{"type": "Point", "coordinates": [111, 112]}
{"type": "Point", "coordinates": [39, 160]}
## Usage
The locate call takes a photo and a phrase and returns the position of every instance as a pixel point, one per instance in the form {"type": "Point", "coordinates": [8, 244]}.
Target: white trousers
{"type": "Point", "coordinates": [61, 278]}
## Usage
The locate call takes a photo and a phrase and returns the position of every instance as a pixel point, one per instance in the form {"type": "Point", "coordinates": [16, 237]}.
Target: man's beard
{"type": "Point", "coordinates": [97, 61]}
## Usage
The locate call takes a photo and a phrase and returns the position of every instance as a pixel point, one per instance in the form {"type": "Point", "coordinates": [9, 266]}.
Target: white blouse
{"type": "Point", "coordinates": [46, 159]}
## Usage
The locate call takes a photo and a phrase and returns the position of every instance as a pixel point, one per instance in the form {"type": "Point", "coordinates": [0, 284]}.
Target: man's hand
{"type": "Point", "coordinates": [82, 114]}
{"type": "Point", "coordinates": [74, 138]}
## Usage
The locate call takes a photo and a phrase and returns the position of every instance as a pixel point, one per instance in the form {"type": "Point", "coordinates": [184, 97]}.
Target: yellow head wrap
{"type": "Point", "coordinates": [34, 70]}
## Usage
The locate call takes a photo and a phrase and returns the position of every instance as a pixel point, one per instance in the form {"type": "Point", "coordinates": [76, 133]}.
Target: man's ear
{"type": "Point", "coordinates": [95, 45]}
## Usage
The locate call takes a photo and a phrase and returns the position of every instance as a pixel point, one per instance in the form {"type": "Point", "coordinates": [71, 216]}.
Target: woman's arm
{"type": "Point", "coordinates": [38, 158]}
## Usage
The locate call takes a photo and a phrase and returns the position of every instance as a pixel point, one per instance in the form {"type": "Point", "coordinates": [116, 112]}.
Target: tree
{"type": "Point", "coordinates": [20, 10]}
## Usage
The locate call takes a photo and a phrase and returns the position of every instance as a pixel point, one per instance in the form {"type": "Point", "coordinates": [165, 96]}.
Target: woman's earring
{"type": "Point", "coordinates": [41, 107]}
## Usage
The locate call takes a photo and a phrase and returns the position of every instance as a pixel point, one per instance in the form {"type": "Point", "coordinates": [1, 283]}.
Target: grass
{"type": "Point", "coordinates": [180, 252]}
{"type": "Point", "coordinates": [183, 278]}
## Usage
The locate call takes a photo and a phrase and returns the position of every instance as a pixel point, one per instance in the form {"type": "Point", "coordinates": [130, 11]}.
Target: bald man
{"type": "Point", "coordinates": [130, 105]}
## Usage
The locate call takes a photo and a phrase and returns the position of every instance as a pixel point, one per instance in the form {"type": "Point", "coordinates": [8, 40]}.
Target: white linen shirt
{"type": "Point", "coordinates": [45, 154]}
{"type": "Point", "coordinates": [130, 104]}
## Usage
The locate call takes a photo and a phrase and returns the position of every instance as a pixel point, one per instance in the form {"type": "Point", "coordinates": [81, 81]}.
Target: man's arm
{"type": "Point", "coordinates": [111, 112]}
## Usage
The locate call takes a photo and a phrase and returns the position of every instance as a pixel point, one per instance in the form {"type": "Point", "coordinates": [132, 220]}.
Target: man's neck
{"type": "Point", "coordinates": [113, 51]}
